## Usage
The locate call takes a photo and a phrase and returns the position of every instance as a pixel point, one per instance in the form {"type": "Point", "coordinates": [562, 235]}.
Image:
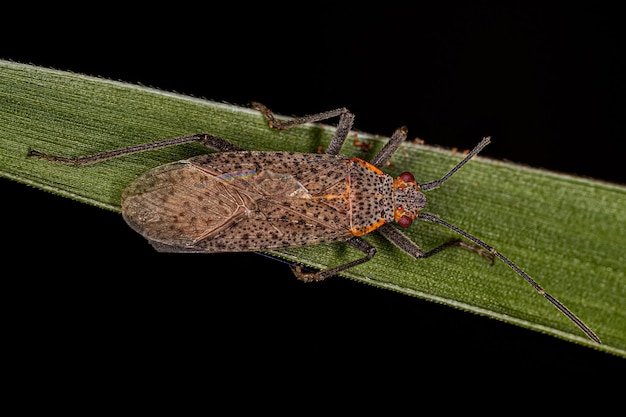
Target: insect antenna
{"type": "Point", "coordinates": [432, 218]}
{"type": "Point", "coordinates": [435, 184]}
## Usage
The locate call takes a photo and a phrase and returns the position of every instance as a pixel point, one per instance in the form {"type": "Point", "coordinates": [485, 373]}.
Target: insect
{"type": "Point", "coordinates": [235, 200]}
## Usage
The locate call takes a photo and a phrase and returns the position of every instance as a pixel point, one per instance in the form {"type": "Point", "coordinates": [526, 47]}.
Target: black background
{"type": "Point", "coordinates": [545, 82]}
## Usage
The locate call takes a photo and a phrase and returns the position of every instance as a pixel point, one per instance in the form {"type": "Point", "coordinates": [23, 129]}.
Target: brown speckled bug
{"type": "Point", "coordinates": [236, 200]}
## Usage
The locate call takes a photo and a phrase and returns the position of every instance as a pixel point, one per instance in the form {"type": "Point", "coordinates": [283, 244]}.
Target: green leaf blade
{"type": "Point", "coordinates": [568, 233]}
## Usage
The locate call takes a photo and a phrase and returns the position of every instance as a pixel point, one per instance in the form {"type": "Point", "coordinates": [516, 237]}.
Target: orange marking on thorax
{"type": "Point", "coordinates": [367, 165]}
{"type": "Point", "coordinates": [365, 230]}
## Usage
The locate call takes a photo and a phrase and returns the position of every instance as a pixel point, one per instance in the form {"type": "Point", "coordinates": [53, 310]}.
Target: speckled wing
{"type": "Point", "coordinates": [240, 201]}
{"type": "Point", "coordinates": [178, 204]}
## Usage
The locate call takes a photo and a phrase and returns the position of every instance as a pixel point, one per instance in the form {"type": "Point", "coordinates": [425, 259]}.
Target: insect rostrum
{"type": "Point", "coordinates": [237, 200]}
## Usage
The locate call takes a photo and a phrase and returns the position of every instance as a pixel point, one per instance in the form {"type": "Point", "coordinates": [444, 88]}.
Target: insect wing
{"type": "Point", "coordinates": [229, 202]}
{"type": "Point", "coordinates": [178, 204]}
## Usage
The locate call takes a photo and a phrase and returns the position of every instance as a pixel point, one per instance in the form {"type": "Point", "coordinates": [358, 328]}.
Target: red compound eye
{"type": "Point", "coordinates": [405, 221]}
{"type": "Point", "coordinates": [407, 177]}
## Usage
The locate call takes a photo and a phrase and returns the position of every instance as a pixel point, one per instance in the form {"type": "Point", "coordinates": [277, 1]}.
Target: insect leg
{"type": "Point", "coordinates": [346, 119]}
{"type": "Point", "coordinates": [355, 242]}
{"type": "Point", "coordinates": [209, 141]}
{"type": "Point", "coordinates": [405, 244]}
{"type": "Point", "coordinates": [384, 155]}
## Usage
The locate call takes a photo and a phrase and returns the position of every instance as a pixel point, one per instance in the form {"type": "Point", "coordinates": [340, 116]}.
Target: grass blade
{"type": "Point", "coordinates": [560, 229]}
